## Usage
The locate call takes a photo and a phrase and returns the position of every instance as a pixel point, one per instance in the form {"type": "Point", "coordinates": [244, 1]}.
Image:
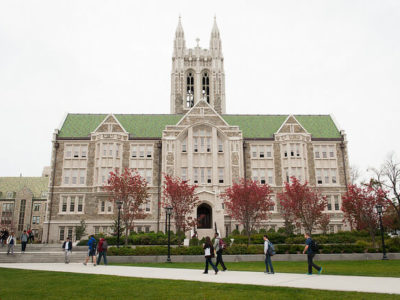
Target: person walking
{"type": "Point", "coordinates": [30, 236]}
{"type": "Point", "coordinates": [208, 254]}
{"type": "Point", "coordinates": [67, 246]}
{"type": "Point", "coordinates": [102, 251]}
{"type": "Point", "coordinates": [310, 250]}
{"type": "Point", "coordinates": [11, 242]}
{"type": "Point", "coordinates": [24, 241]}
{"type": "Point", "coordinates": [268, 251]}
{"type": "Point", "coordinates": [219, 248]}
{"type": "Point", "coordinates": [5, 237]}
{"type": "Point", "coordinates": [2, 241]}
{"type": "Point", "coordinates": [91, 251]}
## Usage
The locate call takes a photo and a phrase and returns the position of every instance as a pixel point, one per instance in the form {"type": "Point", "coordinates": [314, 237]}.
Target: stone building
{"type": "Point", "coordinates": [23, 203]}
{"type": "Point", "coordinates": [198, 142]}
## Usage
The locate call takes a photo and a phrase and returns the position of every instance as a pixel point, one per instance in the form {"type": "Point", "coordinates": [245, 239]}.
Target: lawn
{"type": "Point", "coordinates": [387, 268]}
{"type": "Point", "coordinates": [27, 284]}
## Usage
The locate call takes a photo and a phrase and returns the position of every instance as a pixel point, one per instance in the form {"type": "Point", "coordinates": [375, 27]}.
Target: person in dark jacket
{"type": "Point", "coordinates": [219, 250]}
{"type": "Point", "coordinates": [67, 246]}
{"type": "Point", "coordinates": [91, 251]}
{"type": "Point", "coordinates": [102, 251]}
{"type": "Point", "coordinates": [208, 254]}
{"type": "Point", "coordinates": [24, 241]}
{"type": "Point", "coordinates": [310, 255]}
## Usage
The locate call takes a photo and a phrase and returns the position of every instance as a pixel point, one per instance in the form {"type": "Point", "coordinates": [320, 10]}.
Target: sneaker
{"type": "Point", "coordinates": [94, 265]}
{"type": "Point", "coordinates": [309, 274]}
{"type": "Point", "coordinates": [224, 270]}
{"type": "Point", "coordinates": [216, 272]}
{"type": "Point", "coordinates": [205, 272]}
{"type": "Point", "coordinates": [320, 271]}
{"type": "Point", "coordinates": [84, 264]}
{"type": "Point", "coordinates": [272, 273]}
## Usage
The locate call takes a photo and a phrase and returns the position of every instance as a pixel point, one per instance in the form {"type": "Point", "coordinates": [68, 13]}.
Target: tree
{"type": "Point", "coordinates": [358, 205]}
{"type": "Point", "coordinates": [303, 203]}
{"type": "Point", "coordinates": [248, 202]}
{"type": "Point", "coordinates": [131, 189]}
{"type": "Point", "coordinates": [180, 195]}
{"type": "Point", "coordinates": [324, 223]}
{"type": "Point", "coordinates": [80, 230]}
{"type": "Point", "coordinates": [388, 178]}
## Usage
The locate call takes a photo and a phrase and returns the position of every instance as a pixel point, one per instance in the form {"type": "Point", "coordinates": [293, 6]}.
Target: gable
{"type": "Point", "coordinates": [110, 124]}
{"type": "Point", "coordinates": [202, 111]}
{"type": "Point", "coordinates": [291, 125]}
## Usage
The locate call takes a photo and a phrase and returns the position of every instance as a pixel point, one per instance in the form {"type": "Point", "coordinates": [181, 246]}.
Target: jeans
{"type": "Point", "coordinates": [23, 246]}
{"type": "Point", "coordinates": [104, 254]}
{"type": "Point", "coordinates": [67, 256]}
{"type": "Point", "coordinates": [219, 259]}
{"type": "Point", "coordinates": [268, 262]}
{"type": "Point", "coordinates": [10, 248]}
{"type": "Point", "coordinates": [209, 261]}
{"type": "Point", "coordinates": [310, 257]}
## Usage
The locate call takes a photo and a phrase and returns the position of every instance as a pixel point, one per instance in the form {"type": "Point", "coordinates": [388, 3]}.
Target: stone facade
{"type": "Point", "coordinates": [198, 145]}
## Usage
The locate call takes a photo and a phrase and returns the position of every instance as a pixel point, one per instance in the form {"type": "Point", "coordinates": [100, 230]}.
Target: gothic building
{"type": "Point", "coordinates": [198, 142]}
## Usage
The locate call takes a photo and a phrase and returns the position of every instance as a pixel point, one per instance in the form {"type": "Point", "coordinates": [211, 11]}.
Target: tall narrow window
{"type": "Point", "coordinates": [206, 87]}
{"type": "Point", "coordinates": [208, 175]}
{"type": "Point", "coordinates": [220, 145]}
{"type": "Point", "coordinates": [184, 145]}
{"type": "Point", "coordinates": [189, 90]}
{"type": "Point", "coordinates": [262, 176]}
{"type": "Point", "coordinates": [184, 174]}
{"type": "Point", "coordinates": [196, 175]}
{"type": "Point", "coordinates": [72, 204]}
{"type": "Point", "coordinates": [221, 175]}
{"type": "Point", "coordinates": [64, 204]}
{"type": "Point", "coordinates": [336, 198]}
{"type": "Point", "coordinates": [21, 215]}
{"type": "Point", "coordinates": [80, 204]}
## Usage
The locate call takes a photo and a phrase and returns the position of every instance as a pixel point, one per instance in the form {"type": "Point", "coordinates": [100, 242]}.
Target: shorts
{"type": "Point", "coordinates": [91, 252]}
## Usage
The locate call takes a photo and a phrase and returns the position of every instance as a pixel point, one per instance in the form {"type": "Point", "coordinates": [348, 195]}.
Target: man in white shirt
{"type": "Point", "coordinates": [67, 246]}
{"type": "Point", "coordinates": [268, 262]}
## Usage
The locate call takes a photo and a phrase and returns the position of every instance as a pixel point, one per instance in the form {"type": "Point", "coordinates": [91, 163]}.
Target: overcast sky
{"type": "Point", "coordinates": [281, 57]}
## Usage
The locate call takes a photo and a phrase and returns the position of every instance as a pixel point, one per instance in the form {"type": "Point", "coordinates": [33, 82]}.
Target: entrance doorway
{"type": "Point", "coordinates": [204, 216]}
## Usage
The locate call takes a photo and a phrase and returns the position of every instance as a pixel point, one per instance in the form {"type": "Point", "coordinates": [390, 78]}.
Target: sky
{"type": "Point", "coordinates": [337, 57]}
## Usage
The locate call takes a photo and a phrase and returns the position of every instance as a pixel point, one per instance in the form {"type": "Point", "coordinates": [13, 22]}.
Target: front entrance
{"type": "Point", "coordinates": [204, 216]}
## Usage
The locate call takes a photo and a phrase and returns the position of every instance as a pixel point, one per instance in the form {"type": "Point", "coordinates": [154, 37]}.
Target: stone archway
{"type": "Point", "coordinates": [204, 216]}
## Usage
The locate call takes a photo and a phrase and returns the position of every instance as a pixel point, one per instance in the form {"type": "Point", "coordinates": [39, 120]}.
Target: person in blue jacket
{"type": "Point", "coordinates": [91, 251]}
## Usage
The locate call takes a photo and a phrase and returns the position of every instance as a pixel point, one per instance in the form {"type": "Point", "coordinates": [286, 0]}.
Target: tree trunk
{"type": "Point", "coordinates": [126, 235]}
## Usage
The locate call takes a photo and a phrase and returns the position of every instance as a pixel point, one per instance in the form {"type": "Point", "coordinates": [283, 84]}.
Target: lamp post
{"type": "Point", "coordinates": [169, 212]}
{"type": "Point", "coordinates": [379, 210]}
{"type": "Point", "coordinates": [119, 205]}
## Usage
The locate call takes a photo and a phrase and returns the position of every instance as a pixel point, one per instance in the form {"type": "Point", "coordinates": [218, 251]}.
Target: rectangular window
{"type": "Point", "coordinates": [208, 175]}
{"type": "Point", "coordinates": [184, 173]}
{"type": "Point", "coordinates": [184, 145]}
{"type": "Point", "coordinates": [221, 175]}
{"type": "Point", "coordinates": [36, 207]}
{"type": "Point", "coordinates": [66, 176]}
{"type": "Point", "coordinates": [285, 151]}
{"type": "Point", "coordinates": [220, 145]}
{"type": "Point", "coordinates": [333, 173]}
{"type": "Point", "coordinates": [202, 144]}
{"type": "Point", "coordinates": [74, 176]}
{"type": "Point", "coordinates": [76, 151]}
{"type": "Point", "coordinates": [202, 175]}
{"type": "Point", "coordinates": [326, 175]}
{"type": "Point", "coordinates": [109, 207]}
{"type": "Point", "coordinates": [80, 204]}
{"type": "Point", "coordinates": [208, 144]}
{"type": "Point", "coordinates": [134, 151]}
{"type": "Point", "coordinates": [196, 146]}
{"type": "Point", "coordinates": [291, 150]}
{"type": "Point", "coordinates": [287, 174]}
{"type": "Point", "coordinates": [329, 198]}
{"type": "Point", "coordinates": [68, 152]}
{"type": "Point", "coordinates": [84, 152]}
{"type": "Point", "coordinates": [253, 151]}
{"type": "Point", "coordinates": [261, 150]}
{"type": "Point", "coordinates": [149, 151]}
{"type": "Point", "coordinates": [96, 229]}
{"type": "Point", "coordinates": [105, 149]}
{"type": "Point", "coordinates": [319, 176]}
{"type": "Point", "coordinates": [82, 176]}
{"type": "Point", "coordinates": [297, 150]}
{"type": "Point", "coordinates": [324, 154]}
{"type": "Point", "coordinates": [255, 174]}
{"type": "Point", "coordinates": [148, 176]}
{"type": "Point", "coordinates": [336, 199]}
{"type": "Point", "coordinates": [103, 206]}
{"type": "Point", "coordinates": [64, 204]}
{"type": "Point", "coordinates": [7, 213]}
{"type": "Point", "coordinates": [148, 206]}
{"type": "Point", "coordinates": [35, 220]}
{"type": "Point", "coordinates": [117, 150]}
{"type": "Point", "coordinates": [262, 176]}
{"type": "Point", "coordinates": [147, 229]}
{"type": "Point", "coordinates": [270, 176]}
{"type": "Point", "coordinates": [62, 233]}
{"type": "Point", "coordinates": [196, 175]}
{"type": "Point", "coordinates": [72, 204]}
{"type": "Point", "coordinates": [331, 151]}
{"type": "Point", "coordinates": [269, 151]}
{"type": "Point", "coordinates": [141, 151]}
{"type": "Point", "coordinates": [70, 233]}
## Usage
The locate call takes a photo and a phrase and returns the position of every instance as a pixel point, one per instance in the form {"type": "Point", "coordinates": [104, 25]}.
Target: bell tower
{"type": "Point", "coordinates": [197, 73]}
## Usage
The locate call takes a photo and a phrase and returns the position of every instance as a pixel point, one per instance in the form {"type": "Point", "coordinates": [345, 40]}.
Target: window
{"type": "Point", "coordinates": [196, 146]}
{"type": "Point", "coordinates": [70, 233]}
{"type": "Point", "coordinates": [270, 176]}
{"type": "Point", "coordinates": [196, 175]}
{"type": "Point", "coordinates": [324, 153]}
{"type": "Point", "coordinates": [184, 145]}
{"type": "Point", "coordinates": [253, 151]}
{"type": "Point", "coordinates": [326, 175]}
{"type": "Point", "coordinates": [291, 150]}
{"type": "Point", "coordinates": [147, 229]}
{"type": "Point", "coordinates": [262, 176]}
{"type": "Point", "coordinates": [208, 144]}
{"type": "Point", "coordinates": [331, 151]}
{"type": "Point", "coordinates": [64, 204]}
{"type": "Point", "coordinates": [189, 90]}
{"type": "Point", "coordinates": [220, 145]}
{"type": "Point", "coordinates": [184, 173]}
{"type": "Point", "coordinates": [329, 207]}
{"type": "Point", "coordinates": [272, 207]}
{"type": "Point", "coordinates": [333, 174]}
{"type": "Point", "coordinates": [221, 175]}
{"type": "Point", "coordinates": [202, 175]}
{"type": "Point", "coordinates": [141, 151]}
{"type": "Point", "coordinates": [298, 150]}
{"type": "Point", "coordinates": [149, 176]}
{"type": "Point", "coordinates": [80, 204]}
{"type": "Point", "coordinates": [134, 151]}
{"type": "Point", "coordinates": [21, 215]}
{"type": "Point", "coordinates": [67, 174]}
{"type": "Point", "coordinates": [43, 194]}
{"type": "Point", "coordinates": [36, 206]}
{"type": "Point", "coordinates": [7, 213]}
{"type": "Point", "coordinates": [316, 152]}
{"type": "Point", "coordinates": [72, 205]}
{"type": "Point", "coordinates": [62, 233]}
{"type": "Point", "coordinates": [75, 151]}
{"type": "Point", "coordinates": [319, 176]}
{"type": "Point", "coordinates": [269, 151]}
{"type": "Point", "coordinates": [255, 174]}
{"type": "Point", "coordinates": [96, 229]}
{"type": "Point", "coordinates": [336, 199]}
{"type": "Point", "coordinates": [206, 87]}
{"type": "Point", "coordinates": [208, 175]}
{"type": "Point", "coordinates": [148, 206]}
{"type": "Point", "coordinates": [35, 220]}
{"type": "Point", "coordinates": [103, 206]}
{"type": "Point", "coordinates": [261, 151]}
{"type": "Point", "coordinates": [286, 170]}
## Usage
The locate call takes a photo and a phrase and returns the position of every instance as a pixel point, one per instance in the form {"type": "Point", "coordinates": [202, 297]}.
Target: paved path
{"type": "Point", "coordinates": [325, 282]}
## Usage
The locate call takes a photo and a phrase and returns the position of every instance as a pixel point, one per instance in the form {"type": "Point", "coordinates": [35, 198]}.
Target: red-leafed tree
{"type": "Point", "coordinates": [248, 202]}
{"type": "Point", "coordinates": [131, 189]}
{"type": "Point", "coordinates": [180, 196]}
{"type": "Point", "coordinates": [324, 223]}
{"type": "Point", "coordinates": [303, 203]}
{"type": "Point", "coordinates": [358, 205]}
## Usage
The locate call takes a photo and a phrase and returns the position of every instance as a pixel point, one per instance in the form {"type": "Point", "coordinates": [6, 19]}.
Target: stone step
{"type": "Point", "coordinates": [41, 257]}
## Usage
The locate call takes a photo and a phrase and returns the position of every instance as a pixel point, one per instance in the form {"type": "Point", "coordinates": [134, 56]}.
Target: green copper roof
{"type": "Point", "coordinates": [37, 185]}
{"type": "Point", "coordinates": [151, 126]}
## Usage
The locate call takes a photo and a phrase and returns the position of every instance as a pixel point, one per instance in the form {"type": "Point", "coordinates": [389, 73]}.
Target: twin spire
{"type": "Point", "coordinates": [180, 45]}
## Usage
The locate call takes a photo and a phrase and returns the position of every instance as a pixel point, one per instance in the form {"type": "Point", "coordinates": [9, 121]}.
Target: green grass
{"type": "Point", "coordinates": [27, 284]}
{"type": "Point", "coordinates": [388, 268]}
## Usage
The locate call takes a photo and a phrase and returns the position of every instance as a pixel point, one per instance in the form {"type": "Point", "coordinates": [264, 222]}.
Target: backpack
{"type": "Point", "coordinates": [271, 249]}
{"type": "Point", "coordinates": [94, 245]}
{"type": "Point", "coordinates": [314, 246]}
{"type": "Point", "coordinates": [222, 244]}
{"type": "Point", "coordinates": [104, 246]}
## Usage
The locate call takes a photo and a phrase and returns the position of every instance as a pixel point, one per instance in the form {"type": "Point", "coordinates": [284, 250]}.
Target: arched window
{"type": "Point", "coordinates": [206, 87]}
{"type": "Point", "coordinates": [204, 216]}
{"type": "Point", "coordinates": [189, 90]}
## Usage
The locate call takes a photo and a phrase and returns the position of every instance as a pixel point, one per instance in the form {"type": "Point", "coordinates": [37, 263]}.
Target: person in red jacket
{"type": "Point", "coordinates": [102, 251]}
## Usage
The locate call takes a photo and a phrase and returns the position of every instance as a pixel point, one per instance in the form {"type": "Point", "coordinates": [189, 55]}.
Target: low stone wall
{"type": "Point", "coordinates": [251, 257]}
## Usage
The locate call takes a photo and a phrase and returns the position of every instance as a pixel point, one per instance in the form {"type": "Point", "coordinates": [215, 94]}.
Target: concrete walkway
{"type": "Point", "coordinates": [324, 282]}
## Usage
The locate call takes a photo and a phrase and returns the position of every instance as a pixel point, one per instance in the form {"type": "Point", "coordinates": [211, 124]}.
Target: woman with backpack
{"type": "Point", "coordinates": [219, 246]}
{"type": "Point", "coordinates": [268, 251]}
{"type": "Point", "coordinates": [208, 254]}
{"type": "Point", "coordinates": [102, 251]}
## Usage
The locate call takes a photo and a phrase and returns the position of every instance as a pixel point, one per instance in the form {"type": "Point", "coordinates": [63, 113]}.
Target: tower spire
{"type": "Point", "coordinates": [179, 43]}
{"type": "Point", "coordinates": [215, 40]}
